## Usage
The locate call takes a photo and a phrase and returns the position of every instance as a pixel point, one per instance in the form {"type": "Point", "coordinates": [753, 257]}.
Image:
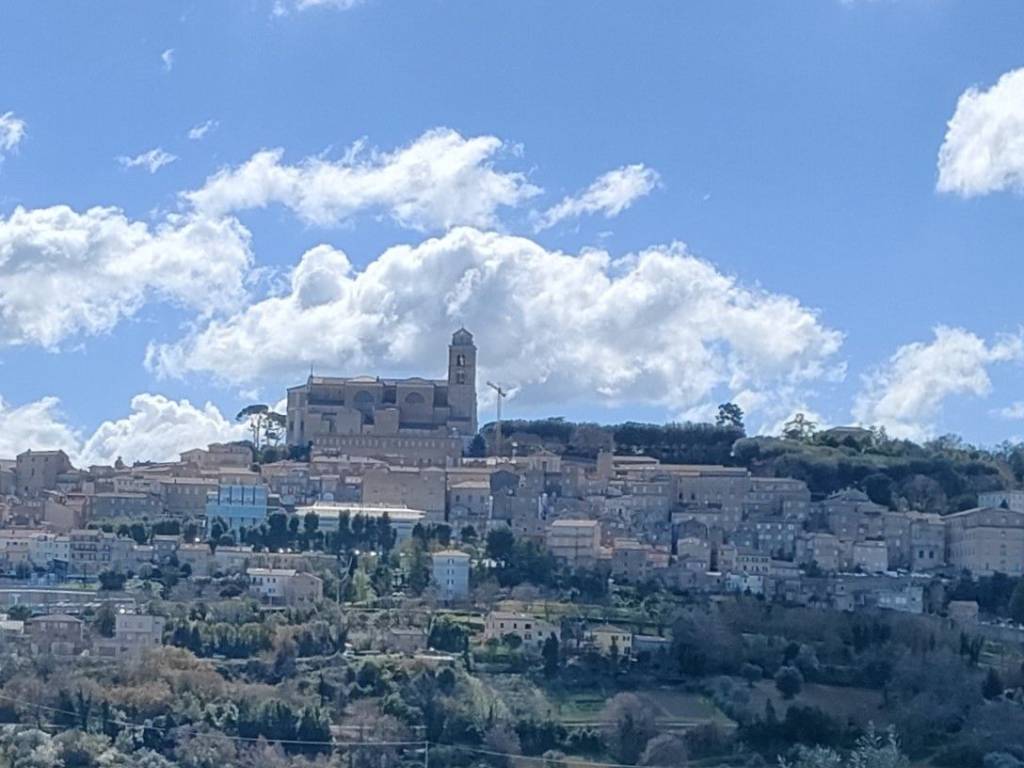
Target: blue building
{"type": "Point", "coordinates": [237, 505]}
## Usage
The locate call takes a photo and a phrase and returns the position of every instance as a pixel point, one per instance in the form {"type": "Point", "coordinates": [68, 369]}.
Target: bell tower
{"type": "Point", "coordinates": [462, 382]}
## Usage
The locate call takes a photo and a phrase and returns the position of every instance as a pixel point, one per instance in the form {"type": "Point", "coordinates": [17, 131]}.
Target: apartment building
{"type": "Point", "coordinates": [576, 542]}
{"type": "Point", "coordinates": [985, 540]}
{"type": "Point", "coordinates": [450, 571]}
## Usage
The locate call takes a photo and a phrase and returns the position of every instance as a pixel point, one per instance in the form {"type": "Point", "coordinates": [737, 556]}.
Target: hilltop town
{"type": "Point", "coordinates": [370, 550]}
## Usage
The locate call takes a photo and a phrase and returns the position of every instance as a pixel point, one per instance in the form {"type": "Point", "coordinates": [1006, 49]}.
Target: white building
{"type": "Point", "coordinates": [402, 519]}
{"type": "Point", "coordinates": [451, 573]}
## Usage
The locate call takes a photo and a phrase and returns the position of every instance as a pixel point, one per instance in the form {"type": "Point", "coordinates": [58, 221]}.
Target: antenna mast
{"type": "Point", "coordinates": [501, 396]}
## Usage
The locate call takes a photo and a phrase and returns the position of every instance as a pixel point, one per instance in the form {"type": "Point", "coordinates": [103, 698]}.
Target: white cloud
{"type": "Point", "coordinates": [658, 327]}
{"type": "Point", "coordinates": [907, 393]}
{"type": "Point", "coordinates": [152, 161]}
{"type": "Point", "coordinates": [610, 194]}
{"type": "Point", "coordinates": [1013, 412]}
{"type": "Point", "coordinates": [37, 426]}
{"type": "Point", "coordinates": [984, 146]}
{"type": "Point", "coordinates": [167, 57]}
{"type": "Point", "coordinates": [439, 181]}
{"type": "Point", "coordinates": [64, 273]}
{"type": "Point", "coordinates": [157, 429]}
{"type": "Point", "coordinates": [12, 131]}
{"type": "Point", "coordinates": [281, 6]}
{"type": "Point", "coordinates": [198, 132]}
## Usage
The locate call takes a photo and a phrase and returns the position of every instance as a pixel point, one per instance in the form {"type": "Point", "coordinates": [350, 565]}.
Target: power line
{"type": "Point", "coordinates": [422, 743]}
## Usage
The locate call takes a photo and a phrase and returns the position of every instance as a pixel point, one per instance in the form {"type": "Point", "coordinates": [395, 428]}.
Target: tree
{"type": "Point", "coordinates": [666, 749]}
{"type": "Point", "coordinates": [873, 750]}
{"type": "Point", "coordinates": [112, 581]}
{"type": "Point", "coordinates": [264, 424]}
{"type": "Point", "coordinates": [729, 415]}
{"type": "Point", "coordinates": [500, 544]}
{"type": "Point", "coordinates": [551, 654]}
{"type": "Point", "coordinates": [1016, 607]}
{"type": "Point", "coordinates": [992, 688]}
{"type": "Point", "coordinates": [799, 428]}
{"type": "Point", "coordinates": [629, 725]}
{"type": "Point", "coordinates": [418, 575]}
{"type": "Point", "coordinates": [105, 620]}
{"type": "Point", "coordinates": [789, 681]}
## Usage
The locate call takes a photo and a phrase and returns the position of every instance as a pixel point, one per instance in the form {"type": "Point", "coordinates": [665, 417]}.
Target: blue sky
{"type": "Point", "coordinates": [832, 263]}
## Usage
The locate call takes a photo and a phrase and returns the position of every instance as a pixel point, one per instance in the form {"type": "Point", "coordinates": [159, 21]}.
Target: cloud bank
{"type": "Point", "coordinates": [661, 326]}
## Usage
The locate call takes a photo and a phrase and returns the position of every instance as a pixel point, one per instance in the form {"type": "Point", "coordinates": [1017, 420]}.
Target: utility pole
{"type": "Point", "coordinates": [501, 396]}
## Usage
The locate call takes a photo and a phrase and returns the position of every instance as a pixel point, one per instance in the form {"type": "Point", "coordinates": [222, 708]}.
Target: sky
{"type": "Point", "coordinates": [641, 210]}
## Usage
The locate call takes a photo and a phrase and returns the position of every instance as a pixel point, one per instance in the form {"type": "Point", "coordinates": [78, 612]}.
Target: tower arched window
{"type": "Point", "coordinates": [460, 360]}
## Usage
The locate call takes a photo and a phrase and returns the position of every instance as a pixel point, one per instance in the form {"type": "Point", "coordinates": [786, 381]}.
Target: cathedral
{"type": "Point", "coordinates": [371, 416]}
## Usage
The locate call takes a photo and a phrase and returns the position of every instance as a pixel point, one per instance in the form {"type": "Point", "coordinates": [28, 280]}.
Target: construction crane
{"type": "Point", "coordinates": [498, 436]}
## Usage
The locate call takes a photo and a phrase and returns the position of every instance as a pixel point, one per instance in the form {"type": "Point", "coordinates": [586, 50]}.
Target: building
{"type": "Point", "coordinates": [238, 506]}
{"type": "Point", "coordinates": [285, 586]}
{"type": "Point", "coordinates": [630, 560]}
{"type": "Point", "coordinates": [577, 542]}
{"type": "Point", "coordinates": [128, 504]}
{"type": "Point", "coordinates": [1012, 499]}
{"type": "Point", "coordinates": [38, 471]}
{"type": "Point", "coordinates": [819, 548]}
{"type": "Point", "coordinates": [871, 556]}
{"type": "Point", "coordinates": [531, 630]}
{"type": "Point", "coordinates": [985, 540]}
{"type": "Point", "coordinates": [57, 634]}
{"type": "Point", "coordinates": [186, 496]}
{"type": "Point", "coordinates": [608, 638]}
{"type": "Point", "coordinates": [219, 455]}
{"type": "Point", "coordinates": [369, 416]}
{"type": "Point", "coordinates": [451, 573]}
{"type": "Point", "coordinates": [92, 551]}
{"type": "Point", "coordinates": [402, 520]}
{"type": "Point", "coordinates": [413, 487]}
{"type": "Point", "coordinates": [133, 635]}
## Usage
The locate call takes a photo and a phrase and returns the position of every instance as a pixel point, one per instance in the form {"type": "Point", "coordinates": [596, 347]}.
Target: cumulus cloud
{"type": "Point", "coordinates": [12, 131]}
{"type": "Point", "coordinates": [438, 181]}
{"type": "Point", "coordinates": [198, 132]}
{"type": "Point", "coordinates": [167, 57]}
{"type": "Point", "coordinates": [156, 429]}
{"type": "Point", "coordinates": [152, 161]}
{"type": "Point", "coordinates": [984, 146]}
{"type": "Point", "coordinates": [906, 394]}
{"type": "Point", "coordinates": [610, 194]}
{"type": "Point", "coordinates": [36, 426]}
{"type": "Point", "coordinates": [64, 273]}
{"type": "Point", "coordinates": [661, 326]}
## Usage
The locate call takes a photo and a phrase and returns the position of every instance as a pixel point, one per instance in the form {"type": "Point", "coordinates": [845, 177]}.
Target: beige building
{"type": "Point", "coordinates": [285, 586]}
{"type": "Point", "coordinates": [133, 635]}
{"type": "Point", "coordinates": [630, 560]}
{"type": "Point", "coordinates": [186, 496]}
{"type": "Point", "coordinates": [37, 471]}
{"type": "Point", "coordinates": [419, 421]}
{"type": "Point", "coordinates": [985, 540]}
{"type": "Point", "coordinates": [56, 634]}
{"type": "Point", "coordinates": [607, 637]}
{"type": "Point", "coordinates": [577, 542]}
{"type": "Point", "coordinates": [219, 455]}
{"type": "Point", "coordinates": [414, 487]}
{"type": "Point", "coordinates": [531, 630]}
